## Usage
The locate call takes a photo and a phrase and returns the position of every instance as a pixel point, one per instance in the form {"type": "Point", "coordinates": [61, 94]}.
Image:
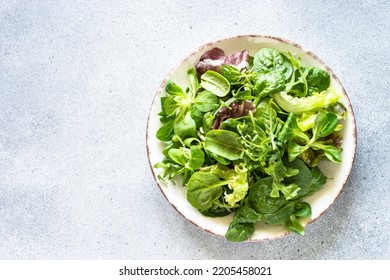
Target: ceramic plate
{"type": "Point", "coordinates": [320, 201]}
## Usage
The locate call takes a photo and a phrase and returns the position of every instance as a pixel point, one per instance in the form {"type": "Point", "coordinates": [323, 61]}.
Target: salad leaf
{"type": "Point", "coordinates": [291, 130]}
{"type": "Point", "coordinates": [238, 183]}
{"type": "Point", "coordinates": [165, 132]}
{"type": "Point", "coordinates": [295, 226]}
{"type": "Point", "coordinates": [317, 79]}
{"type": "Point", "coordinates": [224, 143]}
{"type": "Point", "coordinates": [324, 124]}
{"type": "Point", "coordinates": [281, 216]}
{"type": "Point", "coordinates": [185, 126]}
{"type": "Point", "coordinates": [246, 135]}
{"type": "Point", "coordinates": [314, 102]}
{"type": "Point", "coordinates": [216, 58]}
{"type": "Point", "coordinates": [203, 189]}
{"type": "Point", "coordinates": [259, 197]}
{"type": "Point", "coordinates": [215, 83]}
{"type": "Point", "coordinates": [246, 215]}
{"type": "Point", "coordinates": [268, 83]}
{"type": "Point", "coordinates": [238, 232]}
{"type": "Point", "coordinates": [269, 59]}
{"type": "Point", "coordinates": [206, 101]}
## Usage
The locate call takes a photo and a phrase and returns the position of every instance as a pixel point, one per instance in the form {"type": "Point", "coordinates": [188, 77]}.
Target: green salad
{"type": "Point", "coordinates": [246, 136]}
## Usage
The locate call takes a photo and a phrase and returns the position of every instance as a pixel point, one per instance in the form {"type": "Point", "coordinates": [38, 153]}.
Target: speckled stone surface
{"type": "Point", "coordinates": [76, 82]}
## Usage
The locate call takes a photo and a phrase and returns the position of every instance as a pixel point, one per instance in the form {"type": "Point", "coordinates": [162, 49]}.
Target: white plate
{"type": "Point", "coordinates": [320, 201]}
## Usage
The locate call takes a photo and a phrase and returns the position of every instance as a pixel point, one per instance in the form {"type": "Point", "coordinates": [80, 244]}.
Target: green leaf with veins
{"type": "Point", "coordinates": [245, 214]}
{"type": "Point", "coordinates": [272, 60]}
{"type": "Point", "coordinates": [299, 105]}
{"type": "Point", "coordinates": [281, 216]}
{"type": "Point", "coordinates": [331, 152]}
{"type": "Point", "coordinates": [203, 189]}
{"type": "Point", "coordinates": [238, 232]}
{"type": "Point", "coordinates": [319, 180]}
{"type": "Point", "coordinates": [259, 197]}
{"type": "Point", "coordinates": [224, 143]}
{"type": "Point", "coordinates": [231, 73]}
{"type": "Point", "coordinates": [215, 83]}
{"type": "Point", "coordinates": [166, 131]}
{"type": "Point", "coordinates": [317, 80]}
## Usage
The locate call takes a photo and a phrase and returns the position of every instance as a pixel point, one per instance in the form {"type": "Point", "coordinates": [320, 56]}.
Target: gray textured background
{"type": "Point", "coordinates": [76, 82]}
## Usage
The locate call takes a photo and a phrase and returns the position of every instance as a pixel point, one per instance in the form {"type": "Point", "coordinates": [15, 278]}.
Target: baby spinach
{"type": "Point", "coordinates": [224, 143]}
{"type": "Point", "coordinates": [238, 232]}
{"type": "Point", "coordinates": [203, 189]}
{"type": "Point", "coordinates": [215, 83]}
{"type": "Point", "coordinates": [281, 216]}
{"type": "Point", "coordinates": [269, 59]}
{"type": "Point", "coordinates": [259, 197]}
{"type": "Point", "coordinates": [246, 135]}
{"type": "Point", "coordinates": [317, 79]}
{"type": "Point", "coordinates": [268, 83]}
{"type": "Point", "coordinates": [246, 215]}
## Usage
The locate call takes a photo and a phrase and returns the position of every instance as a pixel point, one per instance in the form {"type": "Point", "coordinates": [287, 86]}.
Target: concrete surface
{"type": "Point", "coordinates": [76, 82]}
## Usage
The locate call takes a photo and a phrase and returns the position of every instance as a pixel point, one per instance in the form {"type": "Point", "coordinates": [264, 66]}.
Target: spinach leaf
{"type": "Point", "coordinates": [224, 143]}
{"type": "Point", "coordinates": [246, 215]}
{"type": "Point", "coordinates": [302, 179]}
{"type": "Point", "coordinates": [218, 212]}
{"type": "Point", "coordinates": [281, 216]}
{"type": "Point", "coordinates": [317, 80]}
{"type": "Point", "coordinates": [302, 209]}
{"type": "Point", "coordinates": [259, 197]}
{"type": "Point", "coordinates": [203, 189]}
{"type": "Point", "coordinates": [268, 83]}
{"type": "Point", "coordinates": [196, 158]}
{"type": "Point", "coordinates": [215, 83]}
{"type": "Point", "coordinates": [269, 59]}
{"type": "Point", "coordinates": [319, 180]}
{"type": "Point", "coordinates": [238, 232]}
